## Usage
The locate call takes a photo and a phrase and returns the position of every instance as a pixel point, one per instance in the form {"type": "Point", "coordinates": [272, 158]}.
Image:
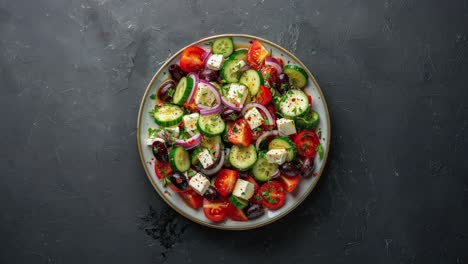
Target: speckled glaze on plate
{"type": "Point", "coordinates": [304, 188]}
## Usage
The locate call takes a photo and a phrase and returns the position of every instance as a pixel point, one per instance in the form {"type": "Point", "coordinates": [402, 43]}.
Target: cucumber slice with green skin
{"type": "Point", "coordinates": [210, 142]}
{"type": "Point", "coordinates": [297, 76]}
{"type": "Point", "coordinates": [252, 79]}
{"type": "Point", "coordinates": [294, 103]}
{"type": "Point", "coordinates": [284, 143]}
{"type": "Point", "coordinates": [263, 170]}
{"type": "Point", "coordinates": [194, 158]}
{"type": "Point", "coordinates": [168, 115]}
{"type": "Point", "coordinates": [242, 158]}
{"type": "Point", "coordinates": [309, 120]}
{"type": "Point", "coordinates": [223, 46]}
{"type": "Point", "coordinates": [211, 125]}
{"type": "Point", "coordinates": [179, 159]}
{"type": "Point", "coordinates": [238, 202]}
{"type": "Point", "coordinates": [183, 90]}
{"type": "Point", "coordinates": [230, 72]}
{"type": "Point", "coordinates": [239, 55]}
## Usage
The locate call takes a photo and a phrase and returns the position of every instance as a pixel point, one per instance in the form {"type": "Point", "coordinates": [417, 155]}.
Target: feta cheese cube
{"type": "Point", "coordinates": [150, 141]}
{"type": "Point", "coordinates": [204, 96]}
{"type": "Point", "coordinates": [199, 183]}
{"type": "Point", "coordinates": [173, 131]}
{"type": "Point", "coordinates": [254, 118]}
{"type": "Point", "coordinates": [190, 121]}
{"type": "Point", "coordinates": [205, 158]}
{"type": "Point", "coordinates": [277, 156]}
{"type": "Point", "coordinates": [243, 189]}
{"type": "Point", "coordinates": [237, 94]}
{"type": "Point", "coordinates": [286, 126]}
{"type": "Point", "coordinates": [215, 62]}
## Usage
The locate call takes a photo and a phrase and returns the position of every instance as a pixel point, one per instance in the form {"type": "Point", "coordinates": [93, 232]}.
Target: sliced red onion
{"type": "Point", "coordinates": [196, 80]}
{"type": "Point", "coordinates": [276, 174]}
{"type": "Point", "coordinates": [230, 105]}
{"type": "Point", "coordinates": [246, 67]}
{"type": "Point", "coordinates": [271, 121]}
{"type": "Point", "coordinates": [265, 135]}
{"type": "Point", "coordinates": [206, 110]}
{"type": "Point", "coordinates": [274, 63]}
{"type": "Point", "coordinates": [189, 143]}
{"type": "Point", "coordinates": [206, 57]}
{"type": "Point", "coordinates": [217, 167]}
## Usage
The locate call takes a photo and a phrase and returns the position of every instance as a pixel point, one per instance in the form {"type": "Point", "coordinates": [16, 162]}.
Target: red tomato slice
{"type": "Point", "coordinates": [191, 59]}
{"type": "Point", "coordinates": [215, 210]}
{"type": "Point", "coordinates": [290, 183]}
{"type": "Point", "coordinates": [239, 132]}
{"type": "Point", "coordinates": [307, 142]}
{"type": "Point", "coordinates": [272, 195]}
{"type": "Point", "coordinates": [310, 99]}
{"type": "Point", "coordinates": [162, 169]}
{"type": "Point", "coordinates": [225, 181]}
{"type": "Point", "coordinates": [264, 95]}
{"type": "Point", "coordinates": [236, 214]}
{"type": "Point", "coordinates": [256, 55]}
{"type": "Point", "coordinates": [270, 75]}
{"type": "Point", "coordinates": [191, 198]}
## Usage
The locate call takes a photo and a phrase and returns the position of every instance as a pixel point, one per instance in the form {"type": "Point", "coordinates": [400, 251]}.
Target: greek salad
{"type": "Point", "coordinates": [234, 130]}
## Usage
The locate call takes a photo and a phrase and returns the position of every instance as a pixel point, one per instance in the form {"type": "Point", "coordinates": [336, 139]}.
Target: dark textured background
{"type": "Point", "coordinates": [395, 73]}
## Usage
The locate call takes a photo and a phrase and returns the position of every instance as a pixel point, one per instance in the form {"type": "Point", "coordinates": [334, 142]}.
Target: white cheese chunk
{"type": "Point", "coordinates": [173, 131]}
{"type": "Point", "coordinates": [215, 62]}
{"type": "Point", "coordinates": [204, 95]}
{"type": "Point", "coordinates": [286, 126]}
{"type": "Point", "coordinates": [243, 189]}
{"type": "Point", "coordinates": [199, 183]}
{"type": "Point", "coordinates": [150, 141]}
{"type": "Point", "coordinates": [205, 158]}
{"type": "Point", "coordinates": [277, 156]}
{"type": "Point", "coordinates": [254, 118]}
{"type": "Point", "coordinates": [190, 121]}
{"type": "Point", "coordinates": [237, 94]}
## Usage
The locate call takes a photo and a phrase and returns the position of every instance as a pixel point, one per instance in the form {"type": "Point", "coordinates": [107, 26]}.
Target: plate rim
{"type": "Point", "coordinates": [206, 223]}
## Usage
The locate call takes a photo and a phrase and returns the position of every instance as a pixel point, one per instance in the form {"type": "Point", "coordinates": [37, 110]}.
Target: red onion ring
{"type": "Point", "coordinates": [206, 58]}
{"type": "Point", "coordinates": [276, 174]}
{"type": "Point", "coordinates": [216, 168]}
{"type": "Point", "coordinates": [206, 110]}
{"type": "Point", "coordinates": [246, 67]}
{"type": "Point", "coordinates": [196, 80]}
{"type": "Point", "coordinates": [265, 135]}
{"type": "Point", "coordinates": [271, 121]}
{"type": "Point", "coordinates": [189, 143]}
{"type": "Point", "coordinates": [274, 63]}
{"type": "Point", "coordinates": [230, 105]}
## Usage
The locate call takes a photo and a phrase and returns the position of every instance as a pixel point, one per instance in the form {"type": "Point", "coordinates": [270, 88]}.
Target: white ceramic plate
{"type": "Point", "coordinates": [292, 200]}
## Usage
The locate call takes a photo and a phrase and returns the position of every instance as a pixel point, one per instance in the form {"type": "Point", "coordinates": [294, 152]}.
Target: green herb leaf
{"type": "Point", "coordinates": [152, 132]}
{"type": "Point", "coordinates": [319, 134]}
{"type": "Point", "coordinates": [153, 96]}
{"type": "Point", "coordinates": [165, 182]}
{"type": "Point", "coordinates": [320, 151]}
{"type": "Point", "coordinates": [171, 92]}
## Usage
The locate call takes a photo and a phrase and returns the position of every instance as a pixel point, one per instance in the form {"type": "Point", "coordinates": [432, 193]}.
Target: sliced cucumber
{"type": "Point", "coordinates": [308, 121]}
{"type": "Point", "coordinates": [297, 76]}
{"type": "Point", "coordinates": [194, 158]}
{"type": "Point", "coordinates": [183, 90]}
{"type": "Point", "coordinates": [238, 202]}
{"type": "Point", "coordinates": [230, 72]}
{"type": "Point", "coordinates": [294, 103]}
{"type": "Point", "coordinates": [223, 46]}
{"type": "Point", "coordinates": [211, 125]}
{"type": "Point", "coordinates": [252, 79]}
{"type": "Point", "coordinates": [242, 157]}
{"type": "Point", "coordinates": [179, 159]}
{"type": "Point", "coordinates": [263, 170]}
{"type": "Point", "coordinates": [210, 142]}
{"type": "Point", "coordinates": [284, 143]}
{"type": "Point", "coordinates": [168, 115]}
{"type": "Point", "coordinates": [239, 55]}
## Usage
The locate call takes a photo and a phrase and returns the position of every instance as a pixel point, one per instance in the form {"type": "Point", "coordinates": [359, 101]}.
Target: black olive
{"type": "Point", "coordinates": [179, 180]}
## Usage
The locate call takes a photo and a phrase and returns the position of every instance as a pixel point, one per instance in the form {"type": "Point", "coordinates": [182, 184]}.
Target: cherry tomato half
{"type": "Point", "coordinates": [191, 198]}
{"type": "Point", "coordinates": [215, 210]}
{"type": "Point", "coordinates": [191, 59]}
{"type": "Point", "coordinates": [307, 142]}
{"type": "Point", "coordinates": [256, 55]}
{"type": "Point", "coordinates": [272, 195]}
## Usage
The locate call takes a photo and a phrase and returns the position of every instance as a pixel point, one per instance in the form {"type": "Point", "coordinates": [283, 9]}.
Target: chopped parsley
{"type": "Point", "coordinates": [152, 132]}
{"type": "Point", "coordinates": [190, 173]}
{"type": "Point", "coordinates": [165, 182]}
{"type": "Point", "coordinates": [171, 92]}
{"type": "Point", "coordinates": [232, 116]}
{"type": "Point", "coordinates": [319, 133]}
{"type": "Point", "coordinates": [320, 151]}
{"type": "Point", "coordinates": [239, 95]}
{"type": "Point", "coordinates": [152, 96]}
{"type": "Point", "coordinates": [267, 122]}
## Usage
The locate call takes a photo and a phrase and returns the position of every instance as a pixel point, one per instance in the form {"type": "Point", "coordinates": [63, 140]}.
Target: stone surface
{"type": "Point", "coordinates": [394, 73]}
